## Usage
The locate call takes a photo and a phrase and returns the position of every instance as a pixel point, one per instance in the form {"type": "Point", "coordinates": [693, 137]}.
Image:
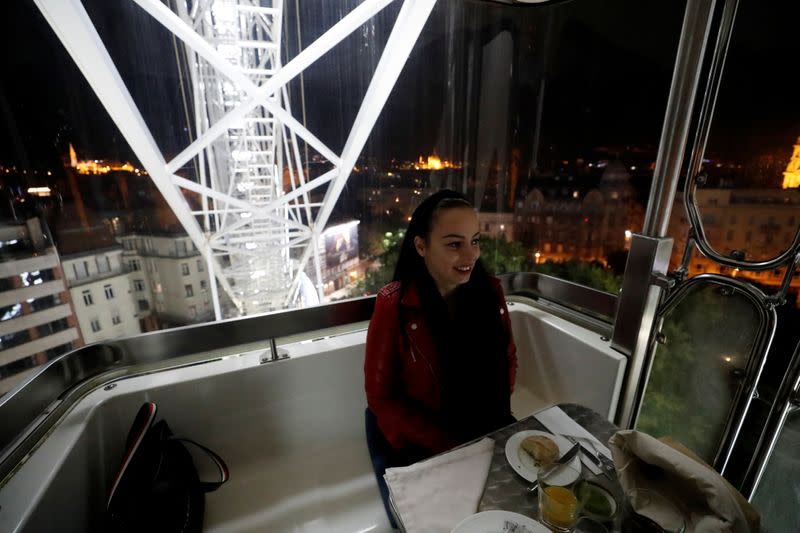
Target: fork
{"type": "Point", "coordinates": [598, 459]}
{"type": "Point", "coordinates": [564, 459]}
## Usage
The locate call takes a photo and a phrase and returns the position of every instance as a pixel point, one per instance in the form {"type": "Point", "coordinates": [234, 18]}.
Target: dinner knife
{"type": "Point", "coordinates": [567, 457]}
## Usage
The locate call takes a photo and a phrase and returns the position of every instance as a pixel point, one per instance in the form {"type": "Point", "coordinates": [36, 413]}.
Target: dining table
{"type": "Point", "coordinates": [508, 491]}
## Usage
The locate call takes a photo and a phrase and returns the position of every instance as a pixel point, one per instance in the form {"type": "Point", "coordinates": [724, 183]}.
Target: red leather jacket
{"type": "Point", "coordinates": [400, 370]}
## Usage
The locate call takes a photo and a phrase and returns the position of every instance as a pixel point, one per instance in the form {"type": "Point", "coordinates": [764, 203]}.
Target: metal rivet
{"type": "Point", "coordinates": [109, 387]}
{"type": "Point", "coordinates": [604, 339]}
{"type": "Point", "coordinates": [414, 325]}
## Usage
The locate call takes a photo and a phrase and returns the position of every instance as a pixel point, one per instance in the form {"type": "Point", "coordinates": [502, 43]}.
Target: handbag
{"type": "Point", "coordinates": [157, 487]}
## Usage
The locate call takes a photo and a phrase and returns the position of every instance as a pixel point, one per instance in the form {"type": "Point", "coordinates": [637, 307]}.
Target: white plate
{"type": "Point", "coordinates": [523, 464]}
{"type": "Point", "coordinates": [494, 522]}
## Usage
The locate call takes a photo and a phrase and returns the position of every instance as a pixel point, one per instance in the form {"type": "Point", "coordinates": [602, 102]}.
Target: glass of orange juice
{"type": "Point", "coordinates": [559, 503]}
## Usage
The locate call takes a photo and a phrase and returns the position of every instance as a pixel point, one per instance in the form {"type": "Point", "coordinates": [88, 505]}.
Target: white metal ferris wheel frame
{"type": "Point", "coordinates": [74, 28]}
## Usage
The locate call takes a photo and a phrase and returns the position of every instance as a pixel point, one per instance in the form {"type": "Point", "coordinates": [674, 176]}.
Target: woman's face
{"type": "Point", "coordinates": [452, 248]}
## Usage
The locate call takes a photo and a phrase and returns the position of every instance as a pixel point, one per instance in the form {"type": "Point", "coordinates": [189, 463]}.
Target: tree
{"type": "Point", "coordinates": [500, 256]}
{"type": "Point", "coordinates": [387, 250]}
{"type": "Point", "coordinates": [592, 274]}
{"type": "Point", "coordinates": [708, 336]}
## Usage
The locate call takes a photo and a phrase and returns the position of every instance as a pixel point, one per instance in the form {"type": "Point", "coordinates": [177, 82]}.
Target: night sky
{"type": "Point", "coordinates": [607, 68]}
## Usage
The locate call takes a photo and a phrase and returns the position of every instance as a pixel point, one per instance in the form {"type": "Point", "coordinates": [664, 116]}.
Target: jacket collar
{"type": "Point", "coordinates": [411, 296]}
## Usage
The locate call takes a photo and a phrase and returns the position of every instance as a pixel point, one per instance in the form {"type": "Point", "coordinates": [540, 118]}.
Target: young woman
{"type": "Point", "coordinates": [440, 358]}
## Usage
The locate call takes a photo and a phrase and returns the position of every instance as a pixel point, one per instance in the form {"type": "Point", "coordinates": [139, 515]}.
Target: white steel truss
{"type": "Point", "coordinates": [256, 198]}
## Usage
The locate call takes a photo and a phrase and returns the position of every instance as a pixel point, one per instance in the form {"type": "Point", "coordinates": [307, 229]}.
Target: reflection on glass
{"type": "Point", "coordinates": [709, 337]}
{"type": "Point", "coordinates": [752, 160]}
{"type": "Point", "coordinates": [547, 118]}
{"type": "Point", "coordinates": [777, 497]}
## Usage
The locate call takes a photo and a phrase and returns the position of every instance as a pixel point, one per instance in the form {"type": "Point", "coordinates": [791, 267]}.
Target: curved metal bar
{"type": "Point", "coordinates": [581, 298]}
{"type": "Point", "coordinates": [675, 130]}
{"type": "Point", "coordinates": [35, 405]}
{"type": "Point", "coordinates": [785, 403]}
{"type": "Point", "coordinates": [724, 33]}
{"type": "Point", "coordinates": [741, 401]}
{"type": "Point", "coordinates": [780, 297]}
{"type": "Point", "coordinates": [696, 222]}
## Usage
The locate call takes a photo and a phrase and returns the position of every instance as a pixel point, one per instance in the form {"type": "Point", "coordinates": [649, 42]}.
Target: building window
{"type": "Point", "coordinates": [192, 311]}
{"type": "Point", "coordinates": [143, 305]}
{"type": "Point", "coordinates": [81, 269]}
{"type": "Point", "coordinates": [138, 285]}
{"type": "Point", "coordinates": [203, 285]}
{"type": "Point", "coordinates": [87, 298]}
{"type": "Point", "coordinates": [115, 319]}
{"type": "Point", "coordinates": [180, 247]}
{"type": "Point", "coordinates": [733, 219]}
{"type": "Point", "coordinates": [96, 325]}
{"type": "Point", "coordinates": [109, 290]}
{"type": "Point", "coordinates": [135, 265]}
{"type": "Point", "coordinates": [189, 290]}
{"type": "Point", "coordinates": [127, 244]}
{"type": "Point", "coordinates": [103, 264]}
{"type": "Point", "coordinates": [52, 327]}
{"type": "Point", "coordinates": [748, 236]}
{"type": "Point", "coordinates": [185, 269]}
{"type": "Point", "coordinates": [729, 236]}
{"type": "Point", "coordinates": [200, 267]}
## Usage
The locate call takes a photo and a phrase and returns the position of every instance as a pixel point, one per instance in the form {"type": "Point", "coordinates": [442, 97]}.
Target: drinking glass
{"type": "Point", "coordinates": [559, 502]}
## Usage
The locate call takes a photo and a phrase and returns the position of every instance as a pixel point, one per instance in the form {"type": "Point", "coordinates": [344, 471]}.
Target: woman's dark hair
{"type": "Point", "coordinates": [472, 342]}
{"type": "Point", "coordinates": [410, 265]}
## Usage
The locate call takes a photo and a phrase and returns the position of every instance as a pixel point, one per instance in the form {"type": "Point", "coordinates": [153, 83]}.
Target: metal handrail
{"type": "Point", "coordinates": [29, 410]}
{"type": "Point", "coordinates": [597, 303]}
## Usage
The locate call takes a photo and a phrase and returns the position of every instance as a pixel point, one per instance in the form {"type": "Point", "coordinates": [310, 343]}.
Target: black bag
{"type": "Point", "coordinates": [157, 488]}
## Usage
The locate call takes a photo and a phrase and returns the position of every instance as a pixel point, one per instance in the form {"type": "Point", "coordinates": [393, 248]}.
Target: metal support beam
{"type": "Point", "coordinates": [650, 251]}
{"type": "Point", "coordinates": [74, 28]}
{"type": "Point", "coordinates": [241, 108]}
{"type": "Point", "coordinates": [410, 21]}
{"type": "Point", "coordinates": [675, 131]}
{"type": "Point", "coordinates": [636, 316]}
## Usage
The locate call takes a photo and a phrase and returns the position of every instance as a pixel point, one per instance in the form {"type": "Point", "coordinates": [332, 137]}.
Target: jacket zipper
{"type": "Point", "coordinates": [422, 355]}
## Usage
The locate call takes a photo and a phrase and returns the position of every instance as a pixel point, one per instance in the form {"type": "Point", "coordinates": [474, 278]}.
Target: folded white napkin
{"type": "Point", "coordinates": [435, 495]}
{"type": "Point", "coordinates": [557, 422]}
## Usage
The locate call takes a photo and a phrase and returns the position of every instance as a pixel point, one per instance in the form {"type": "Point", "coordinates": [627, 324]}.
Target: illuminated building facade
{"type": "Point", "coordinates": [791, 176]}
{"type": "Point", "coordinates": [100, 289]}
{"type": "Point", "coordinates": [37, 321]}
{"type": "Point", "coordinates": [560, 220]}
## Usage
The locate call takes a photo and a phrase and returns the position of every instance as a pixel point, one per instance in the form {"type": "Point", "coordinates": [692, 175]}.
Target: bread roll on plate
{"type": "Point", "coordinates": [543, 450]}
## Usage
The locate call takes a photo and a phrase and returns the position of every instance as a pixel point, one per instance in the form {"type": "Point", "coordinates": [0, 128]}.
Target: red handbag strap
{"type": "Point", "coordinates": [142, 422]}
{"type": "Point", "coordinates": [209, 486]}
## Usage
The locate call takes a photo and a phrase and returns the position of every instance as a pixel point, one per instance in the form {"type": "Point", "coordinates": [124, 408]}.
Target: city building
{"type": "Point", "coordinates": [791, 176]}
{"type": "Point", "coordinates": [100, 288]}
{"type": "Point", "coordinates": [169, 280]}
{"type": "Point", "coordinates": [341, 264]}
{"type": "Point", "coordinates": [760, 223]}
{"type": "Point", "coordinates": [562, 218]}
{"type": "Point", "coordinates": [495, 224]}
{"type": "Point", "coordinates": [37, 321]}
